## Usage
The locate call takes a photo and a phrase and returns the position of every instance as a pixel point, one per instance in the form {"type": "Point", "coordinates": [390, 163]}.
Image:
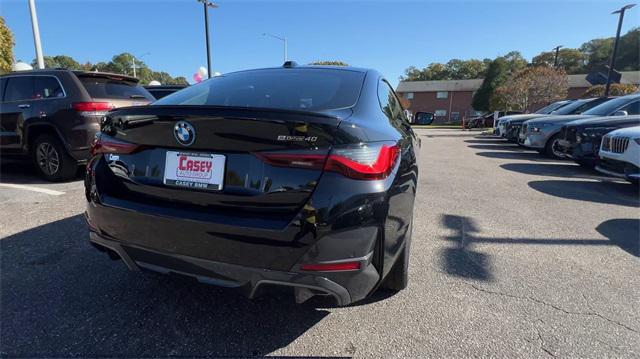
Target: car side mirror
{"type": "Point", "coordinates": [621, 113]}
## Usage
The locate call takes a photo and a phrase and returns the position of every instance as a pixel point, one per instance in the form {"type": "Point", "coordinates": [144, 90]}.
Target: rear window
{"type": "Point", "coordinates": [103, 87]}
{"type": "Point", "coordinates": [290, 89]}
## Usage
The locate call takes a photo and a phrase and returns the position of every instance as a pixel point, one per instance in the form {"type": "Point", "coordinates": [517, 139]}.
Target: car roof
{"type": "Point", "coordinates": [306, 67]}
{"type": "Point", "coordinates": [76, 72]}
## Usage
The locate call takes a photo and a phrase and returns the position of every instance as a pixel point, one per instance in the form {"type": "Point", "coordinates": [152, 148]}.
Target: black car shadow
{"type": "Point", "coordinates": [61, 297]}
{"type": "Point", "coordinates": [17, 171]}
{"type": "Point", "coordinates": [624, 232]}
{"type": "Point", "coordinates": [502, 147]}
{"type": "Point", "coordinates": [487, 141]}
{"type": "Point", "coordinates": [623, 194]}
{"type": "Point", "coordinates": [516, 155]}
{"type": "Point", "coordinates": [559, 169]}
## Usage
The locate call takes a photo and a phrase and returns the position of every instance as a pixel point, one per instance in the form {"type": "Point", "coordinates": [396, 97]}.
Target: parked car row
{"type": "Point", "coordinates": [578, 130]}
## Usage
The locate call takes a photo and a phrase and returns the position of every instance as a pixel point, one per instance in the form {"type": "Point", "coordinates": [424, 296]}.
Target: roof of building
{"type": "Point", "coordinates": [579, 80]}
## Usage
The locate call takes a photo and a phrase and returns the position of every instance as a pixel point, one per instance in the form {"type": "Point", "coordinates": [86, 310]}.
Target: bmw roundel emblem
{"type": "Point", "coordinates": [184, 133]}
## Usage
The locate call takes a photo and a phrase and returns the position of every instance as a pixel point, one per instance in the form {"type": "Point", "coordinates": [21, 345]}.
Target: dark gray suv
{"type": "Point", "coordinates": [51, 116]}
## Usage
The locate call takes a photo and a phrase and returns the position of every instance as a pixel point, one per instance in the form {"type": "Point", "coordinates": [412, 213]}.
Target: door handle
{"type": "Point", "coordinates": [24, 105]}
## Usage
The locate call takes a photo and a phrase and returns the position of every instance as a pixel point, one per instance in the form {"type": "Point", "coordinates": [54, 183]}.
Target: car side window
{"type": "Point", "coordinates": [632, 108]}
{"type": "Point", "coordinates": [3, 83]}
{"type": "Point", "coordinates": [388, 101]}
{"type": "Point", "coordinates": [19, 88]}
{"type": "Point", "coordinates": [47, 87]}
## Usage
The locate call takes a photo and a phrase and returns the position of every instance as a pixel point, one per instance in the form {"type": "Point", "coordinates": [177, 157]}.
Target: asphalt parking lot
{"type": "Point", "coordinates": [512, 255]}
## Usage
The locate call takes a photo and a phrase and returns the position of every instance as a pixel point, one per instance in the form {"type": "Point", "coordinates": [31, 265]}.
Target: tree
{"type": "Point", "coordinates": [59, 61]}
{"type": "Point", "coordinates": [530, 88]}
{"type": "Point", "coordinates": [330, 63]}
{"type": "Point", "coordinates": [573, 61]}
{"type": "Point", "coordinates": [6, 47]}
{"type": "Point", "coordinates": [616, 90]}
{"type": "Point", "coordinates": [454, 69]}
{"type": "Point", "coordinates": [497, 74]}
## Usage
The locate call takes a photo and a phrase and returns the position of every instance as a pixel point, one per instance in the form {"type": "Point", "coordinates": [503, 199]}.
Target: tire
{"type": "Point", "coordinates": [550, 148]}
{"type": "Point", "coordinates": [51, 159]}
{"type": "Point", "coordinates": [398, 277]}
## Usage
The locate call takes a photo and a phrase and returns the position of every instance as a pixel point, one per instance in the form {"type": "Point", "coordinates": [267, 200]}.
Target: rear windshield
{"type": "Point", "coordinates": [289, 89]}
{"type": "Point", "coordinates": [103, 87]}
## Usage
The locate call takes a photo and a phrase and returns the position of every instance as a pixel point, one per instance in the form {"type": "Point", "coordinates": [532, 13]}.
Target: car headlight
{"type": "Point", "coordinates": [593, 132]}
{"type": "Point", "coordinates": [538, 127]}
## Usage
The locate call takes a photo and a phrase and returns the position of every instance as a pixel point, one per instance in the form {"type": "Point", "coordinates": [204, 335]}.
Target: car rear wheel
{"type": "Point", "coordinates": [398, 277]}
{"type": "Point", "coordinates": [552, 149]}
{"type": "Point", "coordinates": [51, 159]}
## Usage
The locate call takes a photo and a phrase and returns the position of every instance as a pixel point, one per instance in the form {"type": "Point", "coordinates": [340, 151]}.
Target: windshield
{"type": "Point", "coordinates": [578, 106]}
{"type": "Point", "coordinates": [292, 89]}
{"type": "Point", "coordinates": [610, 106]}
{"type": "Point", "coordinates": [552, 107]}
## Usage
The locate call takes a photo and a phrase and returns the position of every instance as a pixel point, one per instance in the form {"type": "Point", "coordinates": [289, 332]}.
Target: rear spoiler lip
{"type": "Point", "coordinates": [149, 109]}
{"type": "Point", "coordinates": [108, 75]}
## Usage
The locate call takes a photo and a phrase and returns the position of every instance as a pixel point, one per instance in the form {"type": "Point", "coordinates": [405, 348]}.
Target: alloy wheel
{"type": "Point", "coordinates": [48, 158]}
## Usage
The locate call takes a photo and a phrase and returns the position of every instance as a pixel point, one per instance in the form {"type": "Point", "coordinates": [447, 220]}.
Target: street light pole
{"type": "Point", "coordinates": [284, 41]}
{"type": "Point", "coordinates": [36, 34]}
{"type": "Point", "coordinates": [555, 61]}
{"type": "Point", "coordinates": [133, 62]}
{"type": "Point", "coordinates": [207, 4]}
{"type": "Point", "coordinates": [612, 62]}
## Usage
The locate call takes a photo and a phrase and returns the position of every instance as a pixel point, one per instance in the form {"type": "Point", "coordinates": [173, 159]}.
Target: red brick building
{"type": "Point", "coordinates": [450, 101]}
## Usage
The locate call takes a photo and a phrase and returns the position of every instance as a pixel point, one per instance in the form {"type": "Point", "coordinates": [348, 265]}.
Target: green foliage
{"type": "Point", "coordinates": [59, 61]}
{"type": "Point", "coordinates": [573, 61]}
{"type": "Point", "coordinates": [615, 90]}
{"type": "Point", "coordinates": [455, 69]}
{"type": "Point", "coordinates": [6, 47]}
{"type": "Point", "coordinates": [589, 56]}
{"type": "Point", "coordinates": [119, 64]}
{"type": "Point", "coordinates": [497, 74]}
{"type": "Point", "coordinates": [330, 63]}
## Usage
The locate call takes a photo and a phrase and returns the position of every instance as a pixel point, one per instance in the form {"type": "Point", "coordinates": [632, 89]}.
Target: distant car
{"type": "Point", "coordinates": [620, 154]}
{"type": "Point", "coordinates": [161, 91]}
{"type": "Point", "coordinates": [52, 115]}
{"type": "Point", "coordinates": [543, 134]}
{"type": "Point", "coordinates": [574, 108]}
{"type": "Point", "coordinates": [487, 120]}
{"type": "Point", "coordinates": [300, 177]}
{"type": "Point", "coordinates": [423, 118]}
{"type": "Point", "coordinates": [580, 140]}
{"type": "Point", "coordinates": [509, 125]}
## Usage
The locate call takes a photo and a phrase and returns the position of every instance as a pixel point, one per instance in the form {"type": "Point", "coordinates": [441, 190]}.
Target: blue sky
{"type": "Point", "coordinates": [385, 35]}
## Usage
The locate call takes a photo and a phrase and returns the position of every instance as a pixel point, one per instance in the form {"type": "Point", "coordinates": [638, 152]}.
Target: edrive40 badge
{"type": "Point", "coordinates": [184, 133]}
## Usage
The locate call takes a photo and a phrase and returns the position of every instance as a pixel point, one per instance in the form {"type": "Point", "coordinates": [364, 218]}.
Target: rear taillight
{"type": "Point", "coordinates": [93, 108]}
{"type": "Point", "coordinates": [364, 162]}
{"type": "Point", "coordinates": [105, 144]}
{"type": "Point", "coordinates": [369, 161]}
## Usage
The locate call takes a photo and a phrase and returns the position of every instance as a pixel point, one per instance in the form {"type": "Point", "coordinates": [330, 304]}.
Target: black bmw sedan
{"type": "Point", "coordinates": [302, 177]}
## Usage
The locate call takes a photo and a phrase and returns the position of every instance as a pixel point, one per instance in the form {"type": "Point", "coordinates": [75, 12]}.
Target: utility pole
{"type": "Point", "coordinates": [207, 4]}
{"type": "Point", "coordinates": [555, 61]}
{"type": "Point", "coordinates": [284, 41]}
{"type": "Point", "coordinates": [612, 62]}
{"type": "Point", "coordinates": [36, 34]}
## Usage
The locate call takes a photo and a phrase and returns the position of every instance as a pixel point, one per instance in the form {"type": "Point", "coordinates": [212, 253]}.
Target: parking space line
{"type": "Point", "coordinates": [32, 189]}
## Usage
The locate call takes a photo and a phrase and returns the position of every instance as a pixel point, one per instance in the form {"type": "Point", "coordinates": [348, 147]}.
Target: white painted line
{"type": "Point", "coordinates": [32, 189]}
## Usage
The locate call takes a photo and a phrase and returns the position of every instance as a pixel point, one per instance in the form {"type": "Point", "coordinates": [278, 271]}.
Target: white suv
{"type": "Point", "coordinates": [620, 154]}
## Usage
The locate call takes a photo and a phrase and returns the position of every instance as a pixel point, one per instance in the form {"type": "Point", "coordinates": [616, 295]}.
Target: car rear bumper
{"type": "Point", "coordinates": [248, 280]}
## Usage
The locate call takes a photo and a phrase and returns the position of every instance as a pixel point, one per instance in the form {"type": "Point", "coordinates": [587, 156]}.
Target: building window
{"type": "Point", "coordinates": [408, 95]}
{"type": "Point", "coordinates": [441, 113]}
{"type": "Point", "coordinates": [442, 94]}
